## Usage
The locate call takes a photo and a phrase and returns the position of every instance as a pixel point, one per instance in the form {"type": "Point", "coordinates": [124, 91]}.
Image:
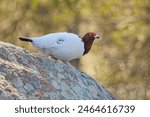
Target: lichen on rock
{"type": "Point", "coordinates": [27, 75]}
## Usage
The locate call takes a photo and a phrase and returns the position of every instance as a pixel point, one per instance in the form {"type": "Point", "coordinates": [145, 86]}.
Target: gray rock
{"type": "Point", "coordinates": [26, 75]}
{"type": "Point", "coordinates": [28, 87]}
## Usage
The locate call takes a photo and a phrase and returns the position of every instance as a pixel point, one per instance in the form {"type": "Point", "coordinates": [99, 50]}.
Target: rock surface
{"type": "Point", "coordinates": [27, 75]}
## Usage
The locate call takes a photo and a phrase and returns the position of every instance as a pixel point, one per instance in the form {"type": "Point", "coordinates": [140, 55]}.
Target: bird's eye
{"type": "Point", "coordinates": [92, 35]}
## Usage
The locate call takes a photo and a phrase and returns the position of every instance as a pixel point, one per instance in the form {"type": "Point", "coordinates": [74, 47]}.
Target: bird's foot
{"type": "Point", "coordinates": [66, 62]}
{"type": "Point", "coordinates": [55, 60]}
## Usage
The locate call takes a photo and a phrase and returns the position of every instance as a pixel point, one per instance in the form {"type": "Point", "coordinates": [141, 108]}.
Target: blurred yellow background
{"type": "Point", "coordinates": [120, 61]}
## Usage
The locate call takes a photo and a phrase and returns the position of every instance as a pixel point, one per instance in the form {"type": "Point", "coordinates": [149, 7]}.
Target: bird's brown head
{"type": "Point", "coordinates": [88, 40]}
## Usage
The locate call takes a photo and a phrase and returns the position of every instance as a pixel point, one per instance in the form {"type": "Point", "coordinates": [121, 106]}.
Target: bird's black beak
{"type": "Point", "coordinates": [97, 36]}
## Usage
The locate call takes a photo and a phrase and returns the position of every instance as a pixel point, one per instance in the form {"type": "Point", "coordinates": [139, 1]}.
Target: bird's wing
{"type": "Point", "coordinates": [46, 41]}
{"type": "Point", "coordinates": [54, 40]}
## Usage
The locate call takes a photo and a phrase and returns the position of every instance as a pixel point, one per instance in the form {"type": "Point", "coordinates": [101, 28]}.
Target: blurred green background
{"type": "Point", "coordinates": [120, 61]}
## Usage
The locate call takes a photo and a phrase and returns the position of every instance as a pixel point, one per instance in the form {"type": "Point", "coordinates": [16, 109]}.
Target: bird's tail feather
{"type": "Point", "coordinates": [25, 39]}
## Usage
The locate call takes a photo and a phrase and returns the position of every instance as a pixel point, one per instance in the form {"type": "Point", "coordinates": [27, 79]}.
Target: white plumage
{"type": "Point", "coordinates": [63, 46]}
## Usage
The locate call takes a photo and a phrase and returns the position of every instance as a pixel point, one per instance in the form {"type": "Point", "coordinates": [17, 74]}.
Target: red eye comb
{"type": "Point", "coordinates": [92, 33]}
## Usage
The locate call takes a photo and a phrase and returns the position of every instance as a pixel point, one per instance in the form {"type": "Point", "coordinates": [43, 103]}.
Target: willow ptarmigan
{"type": "Point", "coordinates": [63, 46]}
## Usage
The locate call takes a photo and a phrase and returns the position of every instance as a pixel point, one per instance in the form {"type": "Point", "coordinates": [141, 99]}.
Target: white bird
{"type": "Point", "coordinates": [63, 46]}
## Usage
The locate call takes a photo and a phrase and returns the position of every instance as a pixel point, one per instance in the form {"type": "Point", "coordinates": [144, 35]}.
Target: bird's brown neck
{"type": "Point", "coordinates": [87, 44]}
